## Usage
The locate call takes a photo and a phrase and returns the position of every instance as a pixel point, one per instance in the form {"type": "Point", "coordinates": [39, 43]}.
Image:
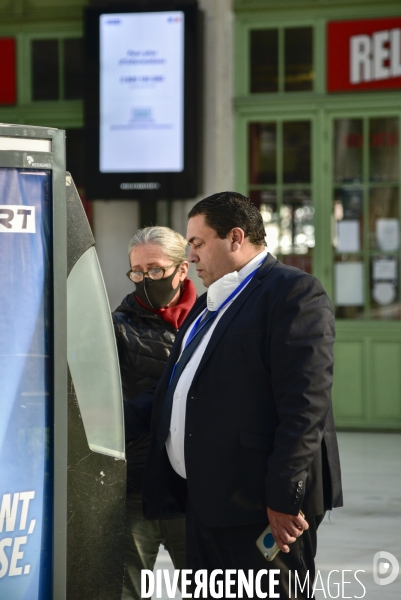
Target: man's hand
{"type": "Point", "coordinates": [286, 528]}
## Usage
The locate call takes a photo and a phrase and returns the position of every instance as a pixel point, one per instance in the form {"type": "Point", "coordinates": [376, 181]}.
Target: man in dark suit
{"type": "Point", "coordinates": [242, 426]}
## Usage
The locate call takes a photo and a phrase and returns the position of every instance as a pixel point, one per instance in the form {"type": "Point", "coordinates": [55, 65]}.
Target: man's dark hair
{"type": "Point", "coordinates": [227, 210]}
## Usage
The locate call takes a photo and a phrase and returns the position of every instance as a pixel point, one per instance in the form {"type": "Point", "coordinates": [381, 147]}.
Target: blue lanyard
{"type": "Point", "coordinates": [196, 329]}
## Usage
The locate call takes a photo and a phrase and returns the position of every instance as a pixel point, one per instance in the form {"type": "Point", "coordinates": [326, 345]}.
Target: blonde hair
{"type": "Point", "coordinates": [174, 245]}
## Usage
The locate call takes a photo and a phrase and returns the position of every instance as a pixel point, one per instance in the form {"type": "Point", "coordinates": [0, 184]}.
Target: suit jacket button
{"type": "Point", "coordinates": [300, 483]}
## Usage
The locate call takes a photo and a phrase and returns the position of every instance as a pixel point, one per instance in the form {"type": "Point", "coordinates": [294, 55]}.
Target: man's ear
{"type": "Point", "coordinates": [237, 238]}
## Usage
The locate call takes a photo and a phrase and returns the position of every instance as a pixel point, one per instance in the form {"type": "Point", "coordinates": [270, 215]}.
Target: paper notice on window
{"type": "Point", "coordinates": [385, 269]}
{"type": "Point", "coordinates": [384, 293]}
{"type": "Point", "coordinates": [387, 234]}
{"type": "Point", "coordinates": [348, 236]}
{"type": "Point", "coordinates": [349, 284]}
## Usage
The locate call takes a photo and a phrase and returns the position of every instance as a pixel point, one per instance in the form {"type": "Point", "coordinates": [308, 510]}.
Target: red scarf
{"type": "Point", "coordinates": [175, 315]}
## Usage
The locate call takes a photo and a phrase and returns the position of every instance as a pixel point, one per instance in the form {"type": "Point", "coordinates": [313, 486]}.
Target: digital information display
{"type": "Point", "coordinates": [141, 92]}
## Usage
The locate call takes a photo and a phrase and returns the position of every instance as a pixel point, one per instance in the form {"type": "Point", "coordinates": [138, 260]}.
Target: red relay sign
{"type": "Point", "coordinates": [364, 55]}
{"type": "Point", "coordinates": [7, 71]}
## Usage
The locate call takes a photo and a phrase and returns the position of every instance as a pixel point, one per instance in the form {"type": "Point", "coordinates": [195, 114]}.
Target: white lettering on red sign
{"type": "Point", "coordinates": [375, 57]}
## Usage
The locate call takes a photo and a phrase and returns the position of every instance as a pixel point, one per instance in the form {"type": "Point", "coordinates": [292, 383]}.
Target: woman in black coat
{"type": "Point", "coordinates": [145, 325]}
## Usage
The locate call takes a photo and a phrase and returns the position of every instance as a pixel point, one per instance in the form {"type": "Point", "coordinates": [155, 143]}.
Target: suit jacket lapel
{"type": "Point", "coordinates": [198, 307]}
{"type": "Point", "coordinates": [222, 325]}
{"type": "Point", "coordinates": [232, 310]}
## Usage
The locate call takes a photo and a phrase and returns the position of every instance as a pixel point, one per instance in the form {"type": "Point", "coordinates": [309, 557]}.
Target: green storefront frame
{"type": "Point", "coordinates": [62, 114]}
{"type": "Point", "coordinates": [367, 387]}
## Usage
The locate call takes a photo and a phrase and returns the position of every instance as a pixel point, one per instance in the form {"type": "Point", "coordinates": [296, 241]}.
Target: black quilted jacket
{"type": "Point", "coordinates": [144, 341]}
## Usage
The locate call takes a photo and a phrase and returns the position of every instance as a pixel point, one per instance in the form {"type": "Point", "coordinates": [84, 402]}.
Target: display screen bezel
{"type": "Point", "coordinates": [152, 185]}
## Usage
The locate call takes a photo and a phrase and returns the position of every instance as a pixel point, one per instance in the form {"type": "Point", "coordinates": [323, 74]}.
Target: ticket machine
{"type": "Point", "coordinates": [62, 462]}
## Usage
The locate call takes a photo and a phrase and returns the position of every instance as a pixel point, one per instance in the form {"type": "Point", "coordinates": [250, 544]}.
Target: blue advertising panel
{"type": "Point", "coordinates": [26, 367]}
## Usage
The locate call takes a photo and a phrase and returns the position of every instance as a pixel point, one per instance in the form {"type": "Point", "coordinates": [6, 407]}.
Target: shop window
{"type": "Point", "coordinates": [298, 59]}
{"type": "Point", "coordinates": [57, 69]}
{"type": "Point", "coordinates": [348, 151]}
{"type": "Point", "coordinates": [296, 152]}
{"type": "Point", "coordinates": [45, 70]}
{"type": "Point", "coordinates": [280, 185]}
{"type": "Point", "coordinates": [281, 60]}
{"type": "Point", "coordinates": [262, 153]}
{"type": "Point", "coordinates": [366, 213]}
{"type": "Point", "coordinates": [264, 60]}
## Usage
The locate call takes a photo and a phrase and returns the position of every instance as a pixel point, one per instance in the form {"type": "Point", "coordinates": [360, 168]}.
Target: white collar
{"type": "Point", "coordinates": [252, 264]}
{"type": "Point", "coordinates": [220, 290]}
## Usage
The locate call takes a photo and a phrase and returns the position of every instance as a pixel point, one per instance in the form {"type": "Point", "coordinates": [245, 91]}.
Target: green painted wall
{"type": "Point", "coordinates": [32, 19]}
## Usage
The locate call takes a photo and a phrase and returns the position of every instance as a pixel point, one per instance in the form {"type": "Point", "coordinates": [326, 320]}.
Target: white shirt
{"type": "Point", "coordinates": [175, 440]}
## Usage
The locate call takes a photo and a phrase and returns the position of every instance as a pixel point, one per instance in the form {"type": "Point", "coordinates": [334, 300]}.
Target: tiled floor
{"type": "Point", "coordinates": [369, 522]}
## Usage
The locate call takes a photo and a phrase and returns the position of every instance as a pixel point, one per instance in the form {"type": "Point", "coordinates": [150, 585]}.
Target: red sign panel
{"type": "Point", "coordinates": [7, 71]}
{"type": "Point", "coordinates": [364, 55]}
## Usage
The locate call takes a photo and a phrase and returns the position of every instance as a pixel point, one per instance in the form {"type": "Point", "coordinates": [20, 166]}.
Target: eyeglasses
{"type": "Point", "coordinates": [154, 274]}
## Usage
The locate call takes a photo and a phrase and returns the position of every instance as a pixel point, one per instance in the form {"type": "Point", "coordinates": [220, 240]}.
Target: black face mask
{"type": "Point", "coordinates": [157, 294]}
